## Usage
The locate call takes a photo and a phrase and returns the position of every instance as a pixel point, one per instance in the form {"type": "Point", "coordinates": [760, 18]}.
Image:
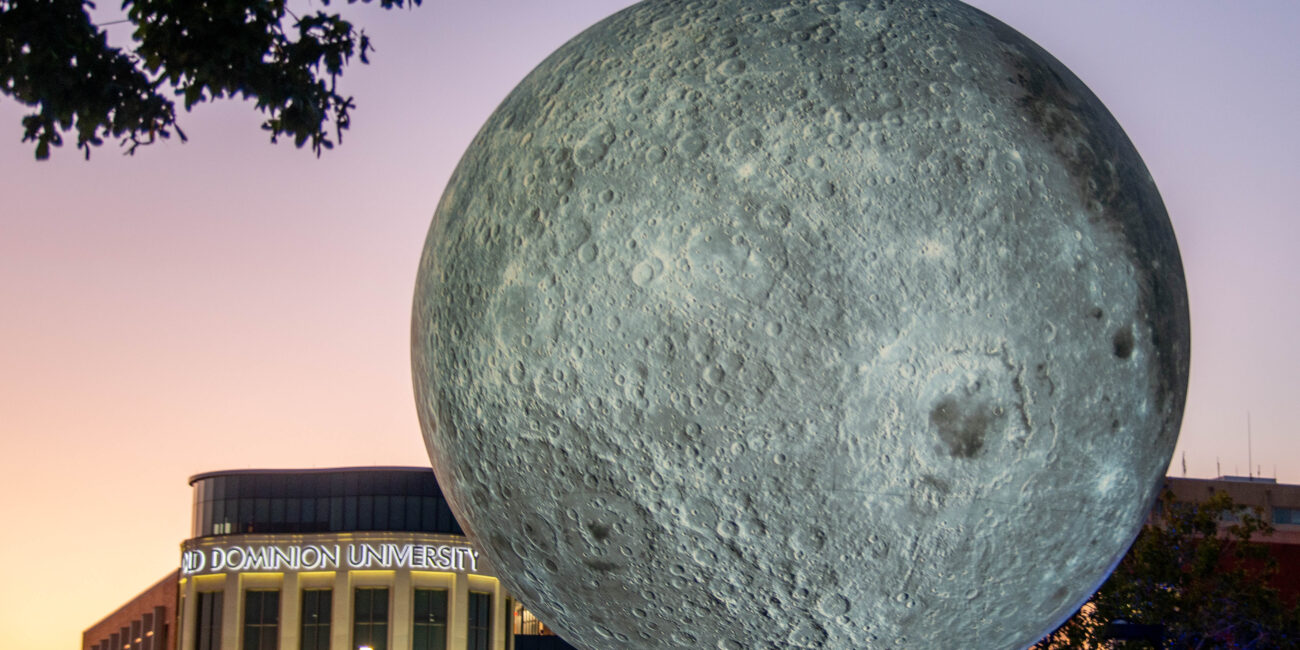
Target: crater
{"type": "Point", "coordinates": [962, 427]}
{"type": "Point", "coordinates": [603, 567]}
{"type": "Point", "coordinates": [598, 531]}
{"type": "Point", "coordinates": [1122, 342]}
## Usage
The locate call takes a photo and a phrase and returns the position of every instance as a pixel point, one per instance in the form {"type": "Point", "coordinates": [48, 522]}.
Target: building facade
{"type": "Point", "coordinates": [1277, 503]}
{"type": "Point", "coordinates": [359, 558]}
{"type": "Point", "coordinates": [331, 560]}
{"type": "Point", "coordinates": [147, 622]}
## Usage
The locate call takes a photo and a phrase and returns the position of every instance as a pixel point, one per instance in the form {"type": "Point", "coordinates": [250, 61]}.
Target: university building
{"type": "Point", "coordinates": [361, 558]}
{"type": "Point", "coordinates": [371, 558]}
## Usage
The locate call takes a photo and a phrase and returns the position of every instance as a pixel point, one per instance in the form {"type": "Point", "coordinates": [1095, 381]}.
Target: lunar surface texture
{"type": "Point", "coordinates": [801, 324]}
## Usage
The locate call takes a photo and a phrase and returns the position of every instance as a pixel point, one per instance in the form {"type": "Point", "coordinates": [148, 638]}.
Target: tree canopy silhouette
{"type": "Point", "coordinates": [1199, 574]}
{"type": "Point", "coordinates": [55, 59]}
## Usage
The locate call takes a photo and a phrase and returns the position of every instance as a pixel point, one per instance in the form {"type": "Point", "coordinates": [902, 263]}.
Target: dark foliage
{"type": "Point", "coordinates": [1195, 572]}
{"type": "Point", "coordinates": [54, 59]}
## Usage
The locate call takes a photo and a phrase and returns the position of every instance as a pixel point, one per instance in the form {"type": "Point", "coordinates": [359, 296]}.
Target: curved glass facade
{"type": "Point", "coordinates": [319, 501]}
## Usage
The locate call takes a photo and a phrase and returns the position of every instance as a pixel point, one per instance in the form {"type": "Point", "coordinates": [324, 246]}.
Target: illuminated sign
{"type": "Point", "coordinates": [327, 557]}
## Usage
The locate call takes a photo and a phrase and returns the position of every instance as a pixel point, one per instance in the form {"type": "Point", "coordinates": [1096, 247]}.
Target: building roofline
{"type": "Point", "coordinates": [312, 470]}
{"type": "Point", "coordinates": [174, 576]}
{"type": "Point", "coordinates": [1248, 480]}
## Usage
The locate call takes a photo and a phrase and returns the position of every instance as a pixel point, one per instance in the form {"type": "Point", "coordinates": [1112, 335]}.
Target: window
{"type": "Point", "coordinates": [317, 609]}
{"type": "Point", "coordinates": [397, 513]}
{"type": "Point", "coordinates": [480, 620]}
{"type": "Point", "coordinates": [261, 620]}
{"type": "Point", "coordinates": [350, 512]}
{"type": "Point", "coordinates": [308, 502]}
{"type": "Point", "coordinates": [336, 513]}
{"type": "Point", "coordinates": [1286, 515]}
{"type": "Point", "coordinates": [430, 621]}
{"type": "Point", "coordinates": [527, 623]}
{"type": "Point", "coordinates": [370, 618]}
{"type": "Point", "coordinates": [365, 512]}
{"type": "Point", "coordinates": [208, 628]}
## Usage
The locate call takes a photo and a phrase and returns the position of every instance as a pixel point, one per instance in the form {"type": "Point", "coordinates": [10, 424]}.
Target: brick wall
{"type": "Point", "coordinates": [146, 622]}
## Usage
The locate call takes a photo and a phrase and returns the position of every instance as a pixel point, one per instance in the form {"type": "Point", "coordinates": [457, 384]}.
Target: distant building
{"type": "Point", "coordinates": [335, 559]}
{"type": "Point", "coordinates": [1278, 502]}
{"type": "Point", "coordinates": [147, 622]}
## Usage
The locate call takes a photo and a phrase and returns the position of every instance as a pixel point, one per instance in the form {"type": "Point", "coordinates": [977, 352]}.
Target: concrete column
{"type": "Point", "coordinates": [399, 616]}
{"type": "Point", "coordinates": [458, 613]}
{"type": "Point", "coordinates": [290, 611]}
{"type": "Point", "coordinates": [189, 615]}
{"type": "Point", "coordinates": [232, 612]}
{"type": "Point", "coordinates": [341, 616]}
{"type": "Point", "coordinates": [500, 618]}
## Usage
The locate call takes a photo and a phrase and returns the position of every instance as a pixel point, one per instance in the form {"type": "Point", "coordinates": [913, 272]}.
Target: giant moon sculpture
{"type": "Point", "coordinates": [800, 324]}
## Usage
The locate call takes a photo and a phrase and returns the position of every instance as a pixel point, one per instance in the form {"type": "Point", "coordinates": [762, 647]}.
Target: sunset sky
{"type": "Point", "coordinates": [228, 303]}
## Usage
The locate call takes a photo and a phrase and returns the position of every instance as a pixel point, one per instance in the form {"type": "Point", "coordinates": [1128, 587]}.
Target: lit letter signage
{"type": "Point", "coordinates": [328, 557]}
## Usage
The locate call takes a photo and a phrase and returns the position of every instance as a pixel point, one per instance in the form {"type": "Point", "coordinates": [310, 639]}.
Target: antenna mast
{"type": "Point", "coordinates": [1250, 456]}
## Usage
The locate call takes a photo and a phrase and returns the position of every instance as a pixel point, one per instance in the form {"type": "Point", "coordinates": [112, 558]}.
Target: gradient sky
{"type": "Point", "coordinates": [228, 303]}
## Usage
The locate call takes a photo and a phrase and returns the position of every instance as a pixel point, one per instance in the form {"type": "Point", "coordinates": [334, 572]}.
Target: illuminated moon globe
{"type": "Point", "coordinates": [796, 324]}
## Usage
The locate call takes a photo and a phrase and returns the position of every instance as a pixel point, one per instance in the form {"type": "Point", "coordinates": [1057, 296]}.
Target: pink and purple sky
{"type": "Point", "coordinates": [228, 303]}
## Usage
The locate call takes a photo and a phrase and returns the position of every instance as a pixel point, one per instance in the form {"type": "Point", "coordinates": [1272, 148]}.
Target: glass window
{"type": "Point", "coordinates": [1286, 515]}
{"type": "Point", "coordinates": [429, 631]}
{"type": "Point", "coordinates": [202, 519]}
{"type": "Point", "coordinates": [429, 505]}
{"type": "Point", "coordinates": [322, 515]}
{"type": "Point", "coordinates": [444, 515]}
{"type": "Point", "coordinates": [309, 513]}
{"type": "Point", "coordinates": [526, 622]}
{"type": "Point", "coordinates": [317, 610]}
{"type": "Point", "coordinates": [349, 513]}
{"type": "Point", "coordinates": [336, 513]}
{"type": "Point", "coordinates": [397, 513]}
{"type": "Point", "coordinates": [208, 627]}
{"type": "Point", "coordinates": [261, 620]}
{"type": "Point", "coordinates": [247, 515]}
{"type": "Point", "coordinates": [480, 620]}
{"type": "Point", "coordinates": [279, 486]}
{"type": "Point", "coordinates": [365, 513]}
{"type": "Point", "coordinates": [318, 502]}
{"type": "Point", "coordinates": [412, 514]}
{"type": "Point", "coordinates": [317, 484]}
{"type": "Point", "coordinates": [446, 521]}
{"type": "Point", "coordinates": [218, 517]}
{"type": "Point", "coordinates": [370, 618]}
